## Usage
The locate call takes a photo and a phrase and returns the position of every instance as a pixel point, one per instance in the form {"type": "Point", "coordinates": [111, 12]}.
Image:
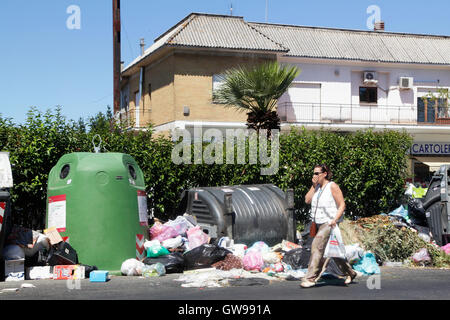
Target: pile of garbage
{"type": "Point", "coordinates": [181, 246]}
{"type": "Point", "coordinates": [400, 238]}
{"type": "Point", "coordinates": [32, 255]}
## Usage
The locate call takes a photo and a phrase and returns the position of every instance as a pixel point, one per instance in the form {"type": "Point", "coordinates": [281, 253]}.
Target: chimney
{"type": "Point", "coordinates": [379, 26]}
{"type": "Point", "coordinates": [142, 44]}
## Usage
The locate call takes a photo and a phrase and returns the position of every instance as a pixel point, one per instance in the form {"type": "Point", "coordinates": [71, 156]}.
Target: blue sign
{"type": "Point", "coordinates": [436, 148]}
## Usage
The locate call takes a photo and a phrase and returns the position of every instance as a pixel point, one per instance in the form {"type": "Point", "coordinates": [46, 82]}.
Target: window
{"type": "Point", "coordinates": [217, 81]}
{"type": "Point", "coordinates": [124, 94]}
{"type": "Point", "coordinates": [431, 110]}
{"type": "Point", "coordinates": [368, 94]}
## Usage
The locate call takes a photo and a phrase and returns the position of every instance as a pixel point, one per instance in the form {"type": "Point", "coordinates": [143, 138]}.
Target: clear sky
{"type": "Point", "coordinates": [44, 63]}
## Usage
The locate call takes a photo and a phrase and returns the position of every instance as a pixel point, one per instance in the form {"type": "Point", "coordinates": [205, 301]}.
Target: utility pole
{"type": "Point", "coordinates": [117, 57]}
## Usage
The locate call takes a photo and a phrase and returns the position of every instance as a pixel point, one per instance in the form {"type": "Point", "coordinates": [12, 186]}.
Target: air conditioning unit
{"type": "Point", "coordinates": [406, 83]}
{"type": "Point", "coordinates": [370, 77]}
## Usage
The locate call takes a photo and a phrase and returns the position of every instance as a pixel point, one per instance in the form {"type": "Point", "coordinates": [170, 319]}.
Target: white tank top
{"type": "Point", "coordinates": [326, 208]}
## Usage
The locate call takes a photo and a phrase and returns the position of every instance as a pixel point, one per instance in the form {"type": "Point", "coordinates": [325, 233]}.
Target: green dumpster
{"type": "Point", "coordinates": [97, 202]}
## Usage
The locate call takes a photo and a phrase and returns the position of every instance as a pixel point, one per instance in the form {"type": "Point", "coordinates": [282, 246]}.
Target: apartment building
{"type": "Point", "coordinates": [350, 80]}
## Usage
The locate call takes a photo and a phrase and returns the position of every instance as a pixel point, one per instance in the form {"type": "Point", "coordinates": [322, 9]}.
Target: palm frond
{"type": "Point", "coordinates": [255, 88]}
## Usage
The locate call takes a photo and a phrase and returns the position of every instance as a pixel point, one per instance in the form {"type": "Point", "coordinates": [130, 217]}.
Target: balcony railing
{"type": "Point", "coordinates": [292, 112]}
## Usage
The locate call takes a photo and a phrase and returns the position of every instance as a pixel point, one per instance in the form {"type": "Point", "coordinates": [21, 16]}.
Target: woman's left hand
{"type": "Point", "coordinates": [332, 223]}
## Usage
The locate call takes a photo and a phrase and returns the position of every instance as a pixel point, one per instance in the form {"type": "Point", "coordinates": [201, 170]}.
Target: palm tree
{"type": "Point", "coordinates": [256, 89]}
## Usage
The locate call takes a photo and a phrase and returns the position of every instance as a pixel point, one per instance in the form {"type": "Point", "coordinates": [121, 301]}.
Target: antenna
{"type": "Point", "coordinates": [231, 8]}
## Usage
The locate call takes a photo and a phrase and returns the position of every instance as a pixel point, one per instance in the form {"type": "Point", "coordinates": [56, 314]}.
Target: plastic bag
{"type": "Point", "coordinates": [353, 253]}
{"type": "Point", "coordinates": [173, 263]}
{"type": "Point", "coordinates": [132, 267]}
{"type": "Point", "coordinates": [367, 265]}
{"type": "Point", "coordinates": [296, 258]}
{"type": "Point", "coordinates": [238, 249]}
{"type": "Point", "coordinates": [225, 242]}
{"type": "Point", "coordinates": [335, 247]}
{"type": "Point", "coordinates": [180, 224]}
{"type": "Point", "coordinates": [172, 243]}
{"type": "Point", "coordinates": [204, 256]}
{"type": "Point", "coordinates": [401, 212]}
{"type": "Point", "coordinates": [162, 232]}
{"type": "Point", "coordinates": [446, 248]}
{"type": "Point", "coordinates": [153, 270]}
{"type": "Point", "coordinates": [259, 246]}
{"type": "Point", "coordinates": [421, 256]}
{"type": "Point", "coordinates": [13, 252]}
{"type": "Point", "coordinates": [287, 245]}
{"type": "Point", "coordinates": [196, 237]}
{"type": "Point", "coordinates": [41, 243]}
{"type": "Point", "coordinates": [150, 244]}
{"type": "Point", "coordinates": [271, 257]}
{"type": "Point", "coordinates": [156, 251]}
{"type": "Point", "coordinates": [409, 190]}
{"type": "Point", "coordinates": [253, 260]}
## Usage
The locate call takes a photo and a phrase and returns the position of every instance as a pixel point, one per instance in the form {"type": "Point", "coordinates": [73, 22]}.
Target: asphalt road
{"type": "Point", "coordinates": [392, 284]}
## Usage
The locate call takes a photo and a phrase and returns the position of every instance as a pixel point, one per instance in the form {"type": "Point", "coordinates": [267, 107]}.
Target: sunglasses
{"type": "Point", "coordinates": [317, 173]}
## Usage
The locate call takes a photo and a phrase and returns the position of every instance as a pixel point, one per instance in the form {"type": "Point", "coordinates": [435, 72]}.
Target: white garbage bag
{"type": "Point", "coordinates": [172, 243]}
{"type": "Point", "coordinates": [132, 267]}
{"type": "Point", "coordinates": [353, 253]}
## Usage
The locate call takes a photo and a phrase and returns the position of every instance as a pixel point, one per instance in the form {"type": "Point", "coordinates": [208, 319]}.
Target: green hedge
{"type": "Point", "coordinates": [369, 166]}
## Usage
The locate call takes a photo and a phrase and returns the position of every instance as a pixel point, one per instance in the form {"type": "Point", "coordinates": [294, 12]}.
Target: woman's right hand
{"type": "Point", "coordinates": [315, 181]}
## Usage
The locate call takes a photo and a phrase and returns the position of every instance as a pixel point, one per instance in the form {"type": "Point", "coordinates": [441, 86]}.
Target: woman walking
{"type": "Point", "coordinates": [327, 209]}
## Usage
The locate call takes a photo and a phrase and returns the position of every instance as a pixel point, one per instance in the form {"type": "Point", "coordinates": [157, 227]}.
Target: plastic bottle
{"type": "Point", "coordinates": [154, 270]}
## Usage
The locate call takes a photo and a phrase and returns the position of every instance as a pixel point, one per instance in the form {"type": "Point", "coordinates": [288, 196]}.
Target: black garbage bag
{"type": "Point", "coordinates": [416, 212]}
{"type": "Point", "coordinates": [88, 269]}
{"type": "Point", "coordinates": [174, 262]}
{"type": "Point", "coordinates": [204, 256]}
{"type": "Point", "coordinates": [62, 254]}
{"type": "Point", "coordinates": [297, 258]}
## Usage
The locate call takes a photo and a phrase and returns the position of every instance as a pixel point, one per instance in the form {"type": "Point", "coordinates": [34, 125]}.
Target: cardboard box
{"type": "Point", "coordinates": [37, 273]}
{"type": "Point", "coordinates": [15, 270]}
{"type": "Point", "coordinates": [68, 272]}
{"type": "Point", "coordinates": [98, 276]}
{"type": "Point", "coordinates": [53, 235]}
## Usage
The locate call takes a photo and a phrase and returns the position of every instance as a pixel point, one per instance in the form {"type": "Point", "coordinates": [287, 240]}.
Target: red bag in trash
{"type": "Point", "coordinates": [162, 232]}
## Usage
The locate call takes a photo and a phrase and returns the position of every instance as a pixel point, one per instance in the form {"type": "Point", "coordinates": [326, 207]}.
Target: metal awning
{"type": "Point", "coordinates": [433, 162]}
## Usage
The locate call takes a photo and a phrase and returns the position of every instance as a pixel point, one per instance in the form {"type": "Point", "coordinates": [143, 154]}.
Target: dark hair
{"type": "Point", "coordinates": [325, 168]}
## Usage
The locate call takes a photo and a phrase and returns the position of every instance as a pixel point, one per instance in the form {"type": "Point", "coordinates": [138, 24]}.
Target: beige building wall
{"type": "Point", "coordinates": [193, 85]}
{"type": "Point", "coordinates": [185, 79]}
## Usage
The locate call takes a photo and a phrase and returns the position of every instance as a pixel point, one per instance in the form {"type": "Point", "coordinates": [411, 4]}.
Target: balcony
{"type": "Point", "coordinates": [369, 114]}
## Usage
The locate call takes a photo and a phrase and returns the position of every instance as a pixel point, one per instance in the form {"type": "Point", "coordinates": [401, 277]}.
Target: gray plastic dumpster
{"type": "Point", "coordinates": [437, 206]}
{"type": "Point", "coordinates": [245, 213]}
